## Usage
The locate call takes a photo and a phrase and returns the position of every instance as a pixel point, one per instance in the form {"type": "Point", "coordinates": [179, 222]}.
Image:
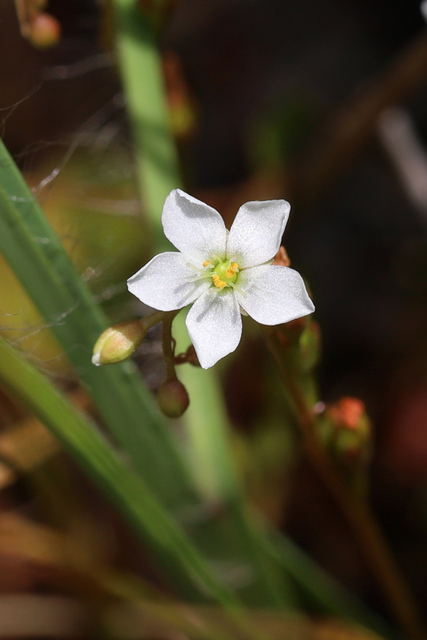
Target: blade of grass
{"type": "Point", "coordinates": [38, 259]}
{"type": "Point", "coordinates": [128, 492]}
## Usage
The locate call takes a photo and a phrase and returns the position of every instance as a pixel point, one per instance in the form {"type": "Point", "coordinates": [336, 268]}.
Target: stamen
{"type": "Point", "coordinates": [237, 288]}
{"type": "Point", "coordinates": [206, 262]}
{"type": "Point", "coordinates": [201, 276]}
{"type": "Point", "coordinates": [220, 284]}
{"type": "Point", "coordinates": [192, 267]}
{"type": "Point", "coordinates": [232, 270]}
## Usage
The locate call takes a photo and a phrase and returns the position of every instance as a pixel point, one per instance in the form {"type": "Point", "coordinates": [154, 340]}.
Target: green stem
{"type": "Point", "coordinates": [158, 174]}
{"type": "Point", "coordinates": [168, 350]}
{"type": "Point", "coordinates": [206, 420]}
{"type": "Point", "coordinates": [156, 156]}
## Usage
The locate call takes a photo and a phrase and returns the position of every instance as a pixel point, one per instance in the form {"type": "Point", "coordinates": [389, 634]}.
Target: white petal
{"type": "Point", "coordinates": [193, 227]}
{"type": "Point", "coordinates": [273, 294]}
{"type": "Point", "coordinates": [215, 326]}
{"type": "Point", "coordinates": [167, 283]}
{"type": "Point", "coordinates": [257, 231]}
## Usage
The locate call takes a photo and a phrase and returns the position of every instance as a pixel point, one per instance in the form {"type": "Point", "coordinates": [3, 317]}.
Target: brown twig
{"type": "Point", "coordinates": [350, 129]}
{"type": "Point", "coordinates": [357, 513]}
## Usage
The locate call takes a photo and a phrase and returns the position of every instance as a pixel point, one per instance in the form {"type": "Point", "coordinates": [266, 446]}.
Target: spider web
{"type": "Point", "coordinates": [50, 166]}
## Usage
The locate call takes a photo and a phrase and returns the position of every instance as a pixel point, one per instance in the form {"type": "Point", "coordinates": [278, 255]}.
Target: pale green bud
{"type": "Point", "coordinates": [119, 342]}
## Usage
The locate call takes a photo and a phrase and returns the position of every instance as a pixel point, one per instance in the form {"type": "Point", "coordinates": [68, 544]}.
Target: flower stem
{"type": "Point", "coordinates": [357, 513]}
{"type": "Point", "coordinates": [168, 345]}
{"type": "Point", "coordinates": [206, 421]}
{"type": "Point", "coordinates": [155, 152]}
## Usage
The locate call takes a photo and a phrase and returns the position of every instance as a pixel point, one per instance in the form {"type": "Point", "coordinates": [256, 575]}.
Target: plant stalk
{"type": "Point", "coordinates": [357, 513]}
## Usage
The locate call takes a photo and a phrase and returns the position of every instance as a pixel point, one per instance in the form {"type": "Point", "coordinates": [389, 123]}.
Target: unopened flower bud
{"type": "Point", "coordinates": [348, 430]}
{"type": "Point", "coordinates": [119, 342]}
{"type": "Point", "coordinates": [172, 398]}
{"type": "Point", "coordinates": [45, 31]}
{"type": "Point", "coordinates": [347, 412]}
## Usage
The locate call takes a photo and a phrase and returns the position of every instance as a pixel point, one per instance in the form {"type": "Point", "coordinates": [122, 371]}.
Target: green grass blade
{"type": "Point", "coordinates": [129, 493]}
{"type": "Point", "coordinates": [38, 259]}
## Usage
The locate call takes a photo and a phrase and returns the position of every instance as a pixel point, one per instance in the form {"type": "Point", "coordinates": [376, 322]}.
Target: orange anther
{"type": "Point", "coordinates": [220, 284]}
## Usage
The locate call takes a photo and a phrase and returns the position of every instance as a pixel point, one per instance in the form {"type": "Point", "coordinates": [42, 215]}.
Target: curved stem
{"type": "Point", "coordinates": [168, 345]}
{"type": "Point", "coordinates": [357, 513]}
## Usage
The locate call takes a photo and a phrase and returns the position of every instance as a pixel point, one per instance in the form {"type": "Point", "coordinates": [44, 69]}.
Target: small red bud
{"type": "Point", "coordinates": [172, 398]}
{"type": "Point", "coordinates": [347, 412]}
{"type": "Point", "coordinates": [45, 31]}
{"type": "Point", "coordinates": [349, 431]}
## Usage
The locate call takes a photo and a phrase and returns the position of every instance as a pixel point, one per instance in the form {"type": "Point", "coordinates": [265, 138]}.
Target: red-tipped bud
{"type": "Point", "coordinates": [347, 412]}
{"type": "Point", "coordinates": [347, 431]}
{"type": "Point", "coordinates": [172, 398]}
{"type": "Point", "coordinates": [119, 342]}
{"type": "Point", "coordinates": [45, 31]}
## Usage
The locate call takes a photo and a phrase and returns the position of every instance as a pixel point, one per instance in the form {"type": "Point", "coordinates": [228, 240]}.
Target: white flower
{"type": "Point", "coordinates": [223, 273]}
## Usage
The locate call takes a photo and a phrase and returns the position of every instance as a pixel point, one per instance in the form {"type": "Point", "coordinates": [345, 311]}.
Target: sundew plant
{"type": "Point", "coordinates": [164, 423]}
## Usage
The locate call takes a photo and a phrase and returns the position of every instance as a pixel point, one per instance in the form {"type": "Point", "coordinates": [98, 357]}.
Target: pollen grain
{"type": "Point", "coordinates": [220, 284]}
{"type": "Point", "coordinates": [232, 270]}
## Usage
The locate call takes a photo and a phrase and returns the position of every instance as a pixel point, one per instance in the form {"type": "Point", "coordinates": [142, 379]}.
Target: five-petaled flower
{"type": "Point", "coordinates": [223, 273]}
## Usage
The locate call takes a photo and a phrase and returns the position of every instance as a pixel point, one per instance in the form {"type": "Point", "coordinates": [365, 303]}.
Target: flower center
{"type": "Point", "coordinates": [224, 272]}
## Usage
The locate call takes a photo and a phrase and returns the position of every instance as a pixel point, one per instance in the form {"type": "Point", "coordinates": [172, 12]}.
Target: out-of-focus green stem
{"type": "Point", "coordinates": [156, 157]}
{"type": "Point", "coordinates": [158, 174]}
